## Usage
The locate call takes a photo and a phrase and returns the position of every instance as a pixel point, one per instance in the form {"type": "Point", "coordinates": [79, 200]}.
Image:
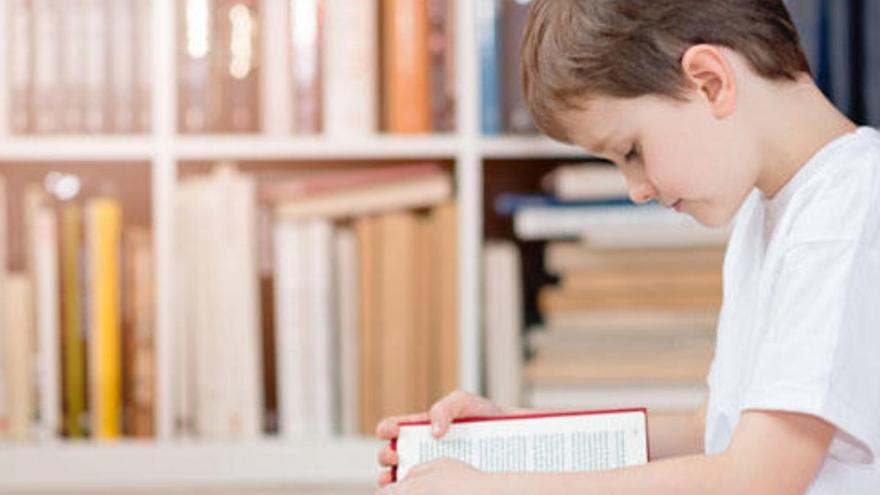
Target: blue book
{"type": "Point", "coordinates": [490, 46]}
{"type": "Point", "coordinates": [507, 204]}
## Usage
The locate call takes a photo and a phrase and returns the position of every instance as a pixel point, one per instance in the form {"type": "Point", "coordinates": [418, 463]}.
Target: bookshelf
{"type": "Point", "coordinates": [169, 463]}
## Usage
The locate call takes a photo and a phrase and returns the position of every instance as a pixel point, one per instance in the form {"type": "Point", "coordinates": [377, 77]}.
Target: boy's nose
{"type": "Point", "coordinates": [642, 192]}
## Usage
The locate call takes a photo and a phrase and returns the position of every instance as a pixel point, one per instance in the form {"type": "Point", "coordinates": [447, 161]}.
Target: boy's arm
{"type": "Point", "coordinates": [676, 434]}
{"type": "Point", "coordinates": [771, 453]}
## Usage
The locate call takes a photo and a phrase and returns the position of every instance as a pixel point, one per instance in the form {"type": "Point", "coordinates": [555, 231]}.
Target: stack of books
{"type": "Point", "coordinates": [315, 302]}
{"type": "Point", "coordinates": [76, 308]}
{"type": "Point", "coordinates": [631, 320]}
{"type": "Point", "coordinates": [345, 68]}
{"type": "Point", "coordinates": [80, 66]}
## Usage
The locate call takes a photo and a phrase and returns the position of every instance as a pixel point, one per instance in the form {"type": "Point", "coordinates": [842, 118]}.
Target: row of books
{"type": "Point", "coordinates": [77, 322]}
{"type": "Point", "coordinates": [631, 317]}
{"type": "Point", "coordinates": [79, 66]}
{"type": "Point", "coordinates": [320, 66]}
{"type": "Point", "coordinates": [350, 274]}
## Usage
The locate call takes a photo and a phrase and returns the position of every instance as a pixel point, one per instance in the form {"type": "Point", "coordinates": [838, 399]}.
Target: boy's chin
{"type": "Point", "coordinates": [711, 219]}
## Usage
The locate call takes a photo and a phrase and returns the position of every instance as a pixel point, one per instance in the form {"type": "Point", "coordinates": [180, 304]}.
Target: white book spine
{"type": "Point", "coordinates": [540, 222]}
{"type": "Point", "coordinates": [184, 308]}
{"type": "Point", "coordinates": [350, 63]}
{"type": "Point", "coordinates": [504, 324]}
{"type": "Point", "coordinates": [72, 59]}
{"type": "Point", "coordinates": [46, 258]}
{"type": "Point", "coordinates": [589, 183]}
{"type": "Point", "coordinates": [323, 325]}
{"type": "Point", "coordinates": [289, 330]}
{"type": "Point", "coordinates": [144, 64]}
{"type": "Point", "coordinates": [276, 98]}
{"type": "Point", "coordinates": [20, 110]}
{"type": "Point", "coordinates": [122, 56]}
{"type": "Point", "coordinates": [95, 65]}
{"type": "Point", "coordinates": [46, 102]}
{"type": "Point", "coordinates": [349, 336]}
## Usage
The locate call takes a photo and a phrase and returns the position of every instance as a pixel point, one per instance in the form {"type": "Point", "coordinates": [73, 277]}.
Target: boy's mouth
{"type": "Point", "coordinates": [677, 205]}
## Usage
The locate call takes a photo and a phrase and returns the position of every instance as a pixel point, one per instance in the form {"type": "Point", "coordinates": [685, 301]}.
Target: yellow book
{"type": "Point", "coordinates": [104, 223]}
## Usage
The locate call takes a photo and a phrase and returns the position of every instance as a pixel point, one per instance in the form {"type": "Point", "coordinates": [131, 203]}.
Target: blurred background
{"type": "Point", "coordinates": [234, 234]}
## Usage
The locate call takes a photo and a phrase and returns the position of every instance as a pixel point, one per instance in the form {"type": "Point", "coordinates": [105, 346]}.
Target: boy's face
{"type": "Point", "coordinates": [678, 153]}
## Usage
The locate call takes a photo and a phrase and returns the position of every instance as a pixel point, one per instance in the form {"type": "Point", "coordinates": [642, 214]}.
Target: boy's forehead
{"type": "Point", "coordinates": [594, 123]}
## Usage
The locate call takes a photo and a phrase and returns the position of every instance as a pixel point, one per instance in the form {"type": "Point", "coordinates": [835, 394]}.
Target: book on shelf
{"type": "Point", "coordinates": [4, 239]}
{"type": "Point", "coordinates": [103, 225]}
{"type": "Point", "coordinates": [350, 62]}
{"type": "Point", "coordinates": [72, 318]}
{"type": "Point", "coordinates": [566, 256]}
{"type": "Point", "coordinates": [562, 222]}
{"type": "Point", "coordinates": [634, 323]}
{"type": "Point", "coordinates": [488, 20]}
{"type": "Point", "coordinates": [306, 27]}
{"type": "Point", "coordinates": [79, 66]}
{"type": "Point", "coordinates": [515, 115]}
{"type": "Point", "coordinates": [19, 338]}
{"type": "Point", "coordinates": [593, 182]}
{"type": "Point", "coordinates": [406, 67]}
{"type": "Point", "coordinates": [347, 286]}
{"type": "Point", "coordinates": [503, 322]}
{"type": "Point", "coordinates": [45, 274]}
{"type": "Point", "coordinates": [579, 441]}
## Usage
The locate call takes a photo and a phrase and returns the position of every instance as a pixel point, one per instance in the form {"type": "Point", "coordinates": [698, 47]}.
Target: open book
{"type": "Point", "coordinates": [557, 442]}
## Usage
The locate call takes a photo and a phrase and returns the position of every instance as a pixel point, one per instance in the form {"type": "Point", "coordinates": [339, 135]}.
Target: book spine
{"type": "Point", "coordinates": [441, 46]}
{"type": "Point", "coordinates": [276, 96]}
{"type": "Point", "coordinates": [242, 74]}
{"type": "Point", "coordinates": [46, 103]}
{"type": "Point", "coordinates": [4, 239]}
{"type": "Point", "coordinates": [290, 355]}
{"type": "Point", "coordinates": [306, 24]}
{"type": "Point", "coordinates": [143, 53]}
{"type": "Point", "coordinates": [72, 61]}
{"type": "Point", "coordinates": [19, 345]}
{"type": "Point", "coordinates": [46, 276]}
{"type": "Point", "coordinates": [319, 275]}
{"type": "Point", "coordinates": [196, 46]}
{"type": "Point", "coordinates": [406, 89]}
{"type": "Point", "coordinates": [121, 34]}
{"type": "Point", "coordinates": [95, 65]}
{"type": "Point", "coordinates": [446, 266]}
{"type": "Point", "coordinates": [369, 277]}
{"type": "Point", "coordinates": [20, 66]}
{"type": "Point", "coordinates": [143, 373]}
{"type": "Point", "coordinates": [346, 285]}
{"type": "Point", "coordinates": [350, 61]}
{"type": "Point", "coordinates": [104, 221]}
{"type": "Point", "coordinates": [513, 20]}
{"type": "Point", "coordinates": [72, 311]}
{"type": "Point", "coordinates": [490, 100]}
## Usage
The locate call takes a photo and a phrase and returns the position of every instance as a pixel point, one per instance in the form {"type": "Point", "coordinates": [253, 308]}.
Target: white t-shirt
{"type": "Point", "coordinates": [799, 328]}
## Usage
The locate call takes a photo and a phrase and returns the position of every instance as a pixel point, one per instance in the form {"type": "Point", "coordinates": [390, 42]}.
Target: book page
{"type": "Point", "coordinates": [587, 442]}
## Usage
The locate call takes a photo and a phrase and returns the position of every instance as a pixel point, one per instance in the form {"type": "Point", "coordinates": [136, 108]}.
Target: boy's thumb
{"type": "Point", "coordinates": [438, 426]}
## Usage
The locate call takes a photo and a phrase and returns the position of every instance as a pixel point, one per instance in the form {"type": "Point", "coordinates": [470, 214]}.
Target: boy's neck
{"type": "Point", "coordinates": [801, 121]}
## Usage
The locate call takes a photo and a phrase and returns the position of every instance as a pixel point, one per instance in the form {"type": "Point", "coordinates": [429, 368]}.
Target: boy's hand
{"type": "Point", "coordinates": [441, 477]}
{"type": "Point", "coordinates": [455, 405]}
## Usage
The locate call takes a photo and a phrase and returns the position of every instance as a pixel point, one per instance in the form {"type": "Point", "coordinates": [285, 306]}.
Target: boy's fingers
{"type": "Point", "coordinates": [388, 457]}
{"type": "Point", "coordinates": [388, 429]}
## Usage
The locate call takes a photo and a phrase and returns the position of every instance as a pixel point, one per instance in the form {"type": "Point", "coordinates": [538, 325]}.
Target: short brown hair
{"type": "Point", "coordinates": [576, 49]}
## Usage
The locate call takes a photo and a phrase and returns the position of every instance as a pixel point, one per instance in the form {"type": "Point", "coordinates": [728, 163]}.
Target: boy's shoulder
{"type": "Point", "coordinates": [837, 193]}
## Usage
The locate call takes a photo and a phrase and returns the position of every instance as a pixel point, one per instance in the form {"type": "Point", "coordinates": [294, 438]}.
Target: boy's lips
{"type": "Point", "coordinates": [677, 205]}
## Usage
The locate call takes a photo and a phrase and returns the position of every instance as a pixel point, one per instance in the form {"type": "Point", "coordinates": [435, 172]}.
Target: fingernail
{"type": "Point", "coordinates": [435, 428]}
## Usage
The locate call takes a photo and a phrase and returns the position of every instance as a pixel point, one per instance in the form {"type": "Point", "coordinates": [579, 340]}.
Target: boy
{"type": "Point", "coordinates": [707, 106]}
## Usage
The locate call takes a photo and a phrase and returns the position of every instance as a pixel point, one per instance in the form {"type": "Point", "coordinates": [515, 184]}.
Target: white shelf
{"type": "Point", "coordinates": [147, 465]}
{"type": "Point", "coordinates": [528, 147]}
{"type": "Point", "coordinates": [76, 148]}
{"type": "Point", "coordinates": [316, 148]}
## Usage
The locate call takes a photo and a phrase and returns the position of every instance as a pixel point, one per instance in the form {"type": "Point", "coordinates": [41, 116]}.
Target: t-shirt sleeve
{"type": "Point", "coordinates": [821, 354]}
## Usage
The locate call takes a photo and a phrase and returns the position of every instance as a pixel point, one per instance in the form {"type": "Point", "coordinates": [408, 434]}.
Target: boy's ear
{"type": "Point", "coordinates": [708, 70]}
